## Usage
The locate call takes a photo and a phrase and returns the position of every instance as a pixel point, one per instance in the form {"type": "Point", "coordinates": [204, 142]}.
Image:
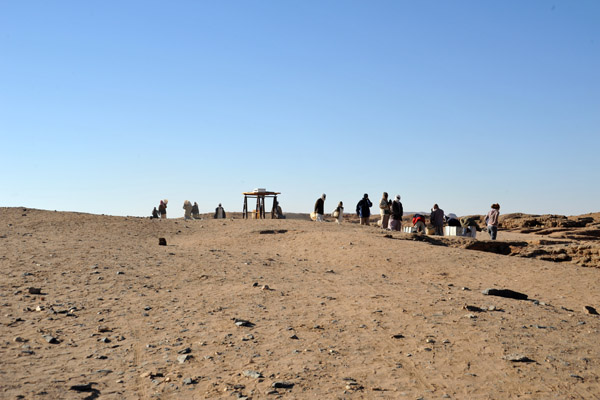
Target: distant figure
{"type": "Point", "coordinates": [320, 208]}
{"type": "Point", "coordinates": [187, 206]}
{"type": "Point", "coordinates": [469, 225]}
{"type": "Point", "coordinates": [195, 211]}
{"type": "Point", "coordinates": [278, 211]}
{"type": "Point", "coordinates": [419, 223]}
{"type": "Point", "coordinates": [219, 212]}
{"type": "Point", "coordinates": [384, 210]}
{"type": "Point", "coordinates": [162, 208]}
{"type": "Point", "coordinates": [452, 220]}
{"type": "Point", "coordinates": [491, 220]}
{"type": "Point", "coordinates": [437, 220]}
{"type": "Point", "coordinates": [395, 223]}
{"type": "Point", "coordinates": [338, 213]}
{"type": "Point", "coordinates": [363, 209]}
{"type": "Point", "coordinates": [154, 213]}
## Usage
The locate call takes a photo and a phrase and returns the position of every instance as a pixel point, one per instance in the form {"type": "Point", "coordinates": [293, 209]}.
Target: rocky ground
{"type": "Point", "coordinates": [94, 307]}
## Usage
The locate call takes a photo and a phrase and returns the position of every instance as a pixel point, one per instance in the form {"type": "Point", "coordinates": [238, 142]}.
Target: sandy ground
{"type": "Point", "coordinates": [348, 313]}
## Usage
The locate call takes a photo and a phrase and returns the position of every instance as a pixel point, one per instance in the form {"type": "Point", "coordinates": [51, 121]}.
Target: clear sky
{"type": "Point", "coordinates": [109, 106]}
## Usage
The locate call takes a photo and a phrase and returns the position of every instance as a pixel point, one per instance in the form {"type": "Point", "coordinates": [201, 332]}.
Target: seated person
{"type": "Point", "coordinates": [469, 225]}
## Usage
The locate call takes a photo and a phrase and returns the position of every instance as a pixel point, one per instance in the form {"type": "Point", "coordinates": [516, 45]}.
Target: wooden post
{"type": "Point", "coordinates": [274, 208]}
{"type": "Point", "coordinates": [245, 211]}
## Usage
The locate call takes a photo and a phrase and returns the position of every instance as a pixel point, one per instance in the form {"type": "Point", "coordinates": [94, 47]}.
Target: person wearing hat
{"type": "Point", "coordinates": [219, 212]}
{"type": "Point", "coordinates": [320, 208]}
{"type": "Point", "coordinates": [363, 209]}
{"type": "Point", "coordinates": [384, 210]}
{"type": "Point", "coordinates": [162, 208]}
{"type": "Point", "coordinates": [397, 213]}
{"type": "Point", "coordinates": [491, 220]}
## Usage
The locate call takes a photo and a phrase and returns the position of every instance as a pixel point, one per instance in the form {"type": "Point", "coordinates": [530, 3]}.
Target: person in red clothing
{"type": "Point", "coordinates": [419, 223]}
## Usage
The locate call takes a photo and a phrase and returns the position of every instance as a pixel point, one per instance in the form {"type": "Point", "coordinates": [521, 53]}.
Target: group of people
{"type": "Point", "coordinates": [392, 212]}
{"type": "Point", "coordinates": [191, 211]}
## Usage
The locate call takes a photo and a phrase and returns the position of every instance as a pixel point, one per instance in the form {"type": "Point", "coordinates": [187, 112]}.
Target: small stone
{"type": "Point", "coordinates": [19, 339]}
{"type": "Point", "coordinates": [282, 385]}
{"type": "Point", "coordinates": [188, 381]}
{"type": "Point", "coordinates": [398, 336]}
{"type": "Point", "coordinates": [187, 350]}
{"type": "Point", "coordinates": [429, 340]}
{"type": "Point", "coordinates": [265, 287]}
{"type": "Point", "coordinates": [104, 340]}
{"type": "Point", "coordinates": [103, 329]}
{"type": "Point", "coordinates": [590, 310]}
{"type": "Point", "coordinates": [50, 339]}
{"type": "Point", "coordinates": [162, 241]}
{"type": "Point", "coordinates": [252, 374]}
{"type": "Point", "coordinates": [518, 358]}
{"type": "Point", "coordinates": [295, 337]}
{"type": "Point", "coordinates": [183, 358]}
{"type": "Point", "coordinates": [33, 290]}
{"type": "Point", "coordinates": [243, 322]}
{"type": "Point", "coordinates": [120, 273]}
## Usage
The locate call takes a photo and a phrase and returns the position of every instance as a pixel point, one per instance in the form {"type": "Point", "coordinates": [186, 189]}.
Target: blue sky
{"type": "Point", "coordinates": [108, 107]}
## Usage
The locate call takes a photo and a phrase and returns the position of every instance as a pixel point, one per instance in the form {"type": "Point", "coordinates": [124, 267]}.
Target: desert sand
{"type": "Point", "coordinates": [290, 309]}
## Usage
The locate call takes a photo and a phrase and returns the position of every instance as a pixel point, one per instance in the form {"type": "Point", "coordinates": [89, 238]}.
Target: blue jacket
{"type": "Point", "coordinates": [363, 208]}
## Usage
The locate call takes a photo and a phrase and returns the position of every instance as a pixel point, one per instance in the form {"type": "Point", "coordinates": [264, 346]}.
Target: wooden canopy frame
{"type": "Point", "coordinates": [260, 203]}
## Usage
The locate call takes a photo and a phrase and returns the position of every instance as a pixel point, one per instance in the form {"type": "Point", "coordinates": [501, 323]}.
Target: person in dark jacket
{"type": "Point", "coordinates": [220, 212]}
{"type": "Point", "coordinates": [195, 211]}
{"type": "Point", "coordinates": [397, 213]}
{"type": "Point", "coordinates": [154, 213]}
{"type": "Point", "coordinates": [437, 220]}
{"type": "Point", "coordinates": [320, 208]}
{"type": "Point", "coordinates": [363, 209]}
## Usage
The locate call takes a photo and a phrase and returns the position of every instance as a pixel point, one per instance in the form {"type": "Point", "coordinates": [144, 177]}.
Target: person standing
{"type": "Point", "coordinates": [437, 220]}
{"type": "Point", "coordinates": [363, 209]}
{"type": "Point", "coordinates": [162, 208]}
{"type": "Point", "coordinates": [491, 220]}
{"type": "Point", "coordinates": [397, 214]}
{"type": "Point", "coordinates": [187, 206]}
{"type": "Point", "coordinates": [384, 210]}
{"type": "Point", "coordinates": [219, 212]}
{"type": "Point", "coordinates": [320, 208]}
{"type": "Point", "coordinates": [195, 211]}
{"type": "Point", "coordinates": [338, 213]}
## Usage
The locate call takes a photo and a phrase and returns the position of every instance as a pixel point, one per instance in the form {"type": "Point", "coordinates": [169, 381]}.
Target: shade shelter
{"type": "Point", "coordinates": [260, 195]}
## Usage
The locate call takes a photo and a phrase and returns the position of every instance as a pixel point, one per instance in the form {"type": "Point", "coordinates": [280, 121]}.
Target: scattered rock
{"type": "Point", "coordinates": [84, 388]}
{"type": "Point", "coordinates": [518, 358]}
{"type": "Point", "coordinates": [590, 310]}
{"type": "Point", "coordinates": [188, 381]}
{"type": "Point", "coordinates": [183, 358]}
{"type": "Point", "coordinates": [162, 241]}
{"type": "Point", "coordinates": [511, 294]}
{"type": "Point", "coordinates": [187, 350]}
{"type": "Point", "coordinates": [398, 336]}
{"type": "Point", "coordinates": [253, 374]}
{"type": "Point", "coordinates": [243, 322]}
{"type": "Point", "coordinates": [51, 339]}
{"type": "Point", "coordinates": [282, 385]}
{"type": "Point", "coordinates": [295, 337]}
{"type": "Point", "coordinates": [33, 290]}
{"type": "Point", "coordinates": [473, 308]}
